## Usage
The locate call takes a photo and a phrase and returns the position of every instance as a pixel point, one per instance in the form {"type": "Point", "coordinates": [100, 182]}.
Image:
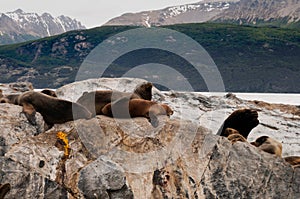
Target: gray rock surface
{"type": "Point", "coordinates": [181, 158]}
{"type": "Point", "coordinates": [103, 179]}
{"type": "Point", "coordinates": [15, 88]}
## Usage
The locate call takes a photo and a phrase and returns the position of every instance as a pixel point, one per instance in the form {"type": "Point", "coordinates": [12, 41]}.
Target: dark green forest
{"type": "Point", "coordinates": [250, 59]}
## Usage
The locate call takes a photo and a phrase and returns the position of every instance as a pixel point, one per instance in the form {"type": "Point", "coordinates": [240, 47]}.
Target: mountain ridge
{"type": "Point", "coordinates": [19, 26]}
{"type": "Point", "coordinates": [251, 12]}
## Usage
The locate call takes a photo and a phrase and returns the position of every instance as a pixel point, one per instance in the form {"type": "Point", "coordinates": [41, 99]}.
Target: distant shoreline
{"type": "Point", "coordinates": [276, 98]}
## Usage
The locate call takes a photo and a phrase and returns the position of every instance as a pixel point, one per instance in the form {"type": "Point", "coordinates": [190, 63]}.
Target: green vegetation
{"type": "Point", "coordinates": [250, 59]}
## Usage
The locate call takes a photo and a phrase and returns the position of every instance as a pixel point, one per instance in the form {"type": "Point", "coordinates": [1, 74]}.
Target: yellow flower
{"type": "Point", "coordinates": [64, 137]}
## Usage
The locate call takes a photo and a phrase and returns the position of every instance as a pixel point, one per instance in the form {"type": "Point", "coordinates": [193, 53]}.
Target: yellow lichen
{"type": "Point", "coordinates": [64, 137]}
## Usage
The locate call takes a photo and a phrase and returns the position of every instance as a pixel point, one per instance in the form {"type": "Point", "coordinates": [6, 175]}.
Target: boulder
{"type": "Point", "coordinates": [128, 158]}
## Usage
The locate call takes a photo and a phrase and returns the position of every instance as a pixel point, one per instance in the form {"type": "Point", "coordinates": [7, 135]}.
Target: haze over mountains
{"type": "Point", "coordinates": [19, 26]}
{"type": "Point", "coordinates": [279, 12]}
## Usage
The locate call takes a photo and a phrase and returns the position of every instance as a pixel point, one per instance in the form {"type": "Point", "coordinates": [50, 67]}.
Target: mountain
{"type": "Point", "coordinates": [279, 12]}
{"type": "Point", "coordinates": [250, 59]}
{"type": "Point", "coordinates": [19, 26]}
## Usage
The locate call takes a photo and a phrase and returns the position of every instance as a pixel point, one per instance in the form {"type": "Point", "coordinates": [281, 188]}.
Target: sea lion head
{"type": "Point", "coordinates": [168, 110]}
{"type": "Point", "coordinates": [144, 90]}
{"type": "Point", "coordinates": [49, 92]}
{"type": "Point", "coordinates": [259, 141]}
{"type": "Point", "coordinates": [230, 131]}
{"type": "Point", "coordinates": [269, 145]}
{"type": "Point", "coordinates": [242, 120]}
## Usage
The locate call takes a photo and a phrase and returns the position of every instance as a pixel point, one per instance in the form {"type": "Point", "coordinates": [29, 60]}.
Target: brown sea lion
{"type": "Point", "coordinates": [94, 101]}
{"type": "Point", "coordinates": [14, 98]}
{"type": "Point", "coordinates": [233, 135]}
{"type": "Point", "coordinates": [242, 120]}
{"type": "Point", "coordinates": [230, 131]}
{"type": "Point", "coordinates": [293, 160]}
{"type": "Point", "coordinates": [126, 108]}
{"type": "Point", "coordinates": [268, 145]}
{"type": "Point", "coordinates": [1, 93]}
{"type": "Point", "coordinates": [233, 138]}
{"type": "Point", "coordinates": [4, 189]}
{"type": "Point", "coordinates": [144, 91]}
{"type": "Point", "coordinates": [49, 92]}
{"type": "Point", "coordinates": [53, 110]}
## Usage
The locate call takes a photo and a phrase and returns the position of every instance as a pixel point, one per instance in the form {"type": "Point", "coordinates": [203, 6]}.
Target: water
{"type": "Point", "coordinates": [276, 98]}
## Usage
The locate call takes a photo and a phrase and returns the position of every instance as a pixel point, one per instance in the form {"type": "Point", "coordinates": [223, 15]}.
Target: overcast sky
{"type": "Point", "coordinates": [90, 12]}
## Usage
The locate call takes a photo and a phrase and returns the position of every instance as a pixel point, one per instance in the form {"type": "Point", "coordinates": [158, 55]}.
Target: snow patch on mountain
{"type": "Point", "coordinates": [17, 23]}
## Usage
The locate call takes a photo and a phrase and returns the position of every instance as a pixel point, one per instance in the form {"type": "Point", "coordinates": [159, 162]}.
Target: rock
{"type": "Point", "coordinates": [16, 88]}
{"type": "Point", "coordinates": [128, 158]}
{"type": "Point", "coordinates": [27, 183]}
{"type": "Point", "coordinates": [15, 127]}
{"type": "Point", "coordinates": [103, 179]}
{"type": "Point", "coordinates": [176, 160]}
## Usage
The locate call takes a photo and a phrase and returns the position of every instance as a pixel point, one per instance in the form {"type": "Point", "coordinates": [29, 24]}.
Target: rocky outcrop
{"type": "Point", "coordinates": [128, 158]}
{"type": "Point", "coordinates": [15, 88]}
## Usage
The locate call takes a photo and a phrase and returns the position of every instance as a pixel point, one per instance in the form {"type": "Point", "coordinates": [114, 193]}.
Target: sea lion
{"type": "Point", "coordinates": [4, 189]}
{"type": "Point", "coordinates": [293, 160]}
{"type": "Point", "coordinates": [53, 110]}
{"type": "Point", "coordinates": [230, 131]}
{"type": "Point", "coordinates": [144, 91]}
{"type": "Point", "coordinates": [14, 98]}
{"type": "Point", "coordinates": [268, 145]}
{"type": "Point", "coordinates": [233, 138]}
{"type": "Point", "coordinates": [242, 120]}
{"type": "Point", "coordinates": [233, 135]}
{"type": "Point", "coordinates": [94, 101]}
{"type": "Point", "coordinates": [49, 92]}
{"type": "Point", "coordinates": [129, 108]}
{"type": "Point", "coordinates": [1, 93]}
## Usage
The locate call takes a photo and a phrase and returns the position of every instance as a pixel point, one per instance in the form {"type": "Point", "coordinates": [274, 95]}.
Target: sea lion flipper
{"type": "Point", "coordinates": [152, 118]}
{"type": "Point", "coordinates": [29, 112]}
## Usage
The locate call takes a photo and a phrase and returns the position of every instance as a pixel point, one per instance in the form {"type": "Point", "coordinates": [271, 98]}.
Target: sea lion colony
{"type": "Point", "coordinates": [244, 120]}
{"type": "Point", "coordinates": [236, 127]}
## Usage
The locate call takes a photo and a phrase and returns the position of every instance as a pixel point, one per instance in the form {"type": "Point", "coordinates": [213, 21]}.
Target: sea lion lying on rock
{"type": "Point", "coordinates": [129, 108]}
{"type": "Point", "coordinates": [293, 160]}
{"type": "Point", "coordinates": [14, 98]}
{"type": "Point", "coordinates": [11, 99]}
{"type": "Point", "coordinates": [49, 92]}
{"type": "Point", "coordinates": [233, 135]}
{"type": "Point", "coordinates": [53, 110]}
{"type": "Point", "coordinates": [242, 120]}
{"type": "Point", "coordinates": [268, 145]}
{"type": "Point", "coordinates": [94, 101]}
